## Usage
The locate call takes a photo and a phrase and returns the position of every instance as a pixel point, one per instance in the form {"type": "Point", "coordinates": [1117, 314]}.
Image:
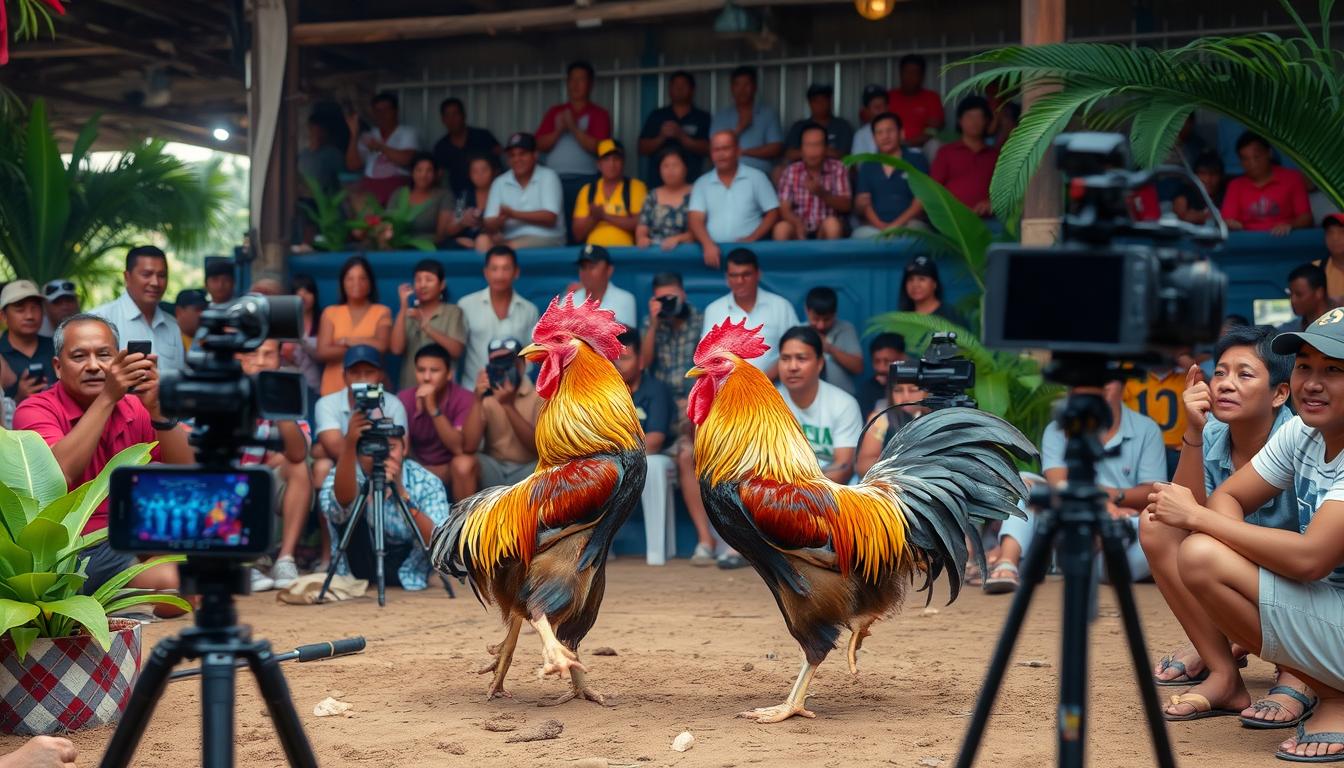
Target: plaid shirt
{"type": "Point", "coordinates": [674, 349]}
{"type": "Point", "coordinates": [810, 208]}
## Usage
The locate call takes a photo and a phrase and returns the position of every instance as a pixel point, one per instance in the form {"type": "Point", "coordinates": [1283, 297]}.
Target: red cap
{"type": "Point", "coordinates": [1333, 220]}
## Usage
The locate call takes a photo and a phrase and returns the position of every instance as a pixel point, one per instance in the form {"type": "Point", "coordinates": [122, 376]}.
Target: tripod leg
{"type": "Point", "coordinates": [1076, 559]}
{"type": "Point", "coordinates": [1034, 566]}
{"type": "Point", "coordinates": [345, 540]}
{"type": "Point", "coordinates": [217, 695]}
{"type": "Point", "coordinates": [274, 690]}
{"type": "Point", "coordinates": [153, 679]}
{"type": "Point", "coordinates": [420, 541]}
{"type": "Point", "coordinates": [379, 544]}
{"type": "Point", "coordinates": [1113, 544]}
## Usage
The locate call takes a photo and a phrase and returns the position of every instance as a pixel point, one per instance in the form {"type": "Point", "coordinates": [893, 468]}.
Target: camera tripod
{"type": "Point", "coordinates": [1074, 522]}
{"type": "Point", "coordinates": [373, 497]}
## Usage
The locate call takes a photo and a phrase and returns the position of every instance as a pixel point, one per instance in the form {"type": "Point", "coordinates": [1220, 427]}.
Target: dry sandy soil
{"type": "Point", "coordinates": [694, 647]}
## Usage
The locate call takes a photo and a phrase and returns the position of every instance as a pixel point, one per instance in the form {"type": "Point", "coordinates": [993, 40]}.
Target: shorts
{"type": "Point", "coordinates": [102, 565]}
{"type": "Point", "coordinates": [496, 472]}
{"type": "Point", "coordinates": [1302, 626]}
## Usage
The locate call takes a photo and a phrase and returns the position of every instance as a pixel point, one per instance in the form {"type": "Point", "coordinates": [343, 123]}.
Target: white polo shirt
{"type": "Point", "coordinates": [771, 310]}
{"type": "Point", "coordinates": [376, 164]}
{"type": "Point", "coordinates": [542, 193]}
{"type": "Point", "coordinates": [162, 333]}
{"type": "Point", "coordinates": [618, 300]}
{"type": "Point", "coordinates": [483, 326]}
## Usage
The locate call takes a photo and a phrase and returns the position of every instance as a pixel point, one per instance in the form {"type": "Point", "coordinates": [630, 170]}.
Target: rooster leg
{"type": "Point", "coordinates": [856, 642]}
{"type": "Point", "coordinates": [578, 690]}
{"type": "Point", "coordinates": [558, 659]}
{"type": "Point", "coordinates": [794, 705]}
{"type": "Point", "coordinates": [503, 659]}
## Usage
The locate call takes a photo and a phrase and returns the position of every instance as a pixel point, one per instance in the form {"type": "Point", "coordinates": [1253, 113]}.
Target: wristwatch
{"type": "Point", "coordinates": [165, 425]}
{"type": "Point", "coordinates": [1118, 497]}
{"type": "Point", "coordinates": [436, 414]}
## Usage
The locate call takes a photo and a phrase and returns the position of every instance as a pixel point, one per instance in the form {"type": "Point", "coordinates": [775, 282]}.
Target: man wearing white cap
{"type": "Point", "coordinates": [27, 353]}
{"type": "Point", "coordinates": [62, 302]}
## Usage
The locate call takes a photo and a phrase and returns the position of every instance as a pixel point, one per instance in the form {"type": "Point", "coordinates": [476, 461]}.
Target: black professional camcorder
{"type": "Point", "coordinates": [943, 372]}
{"type": "Point", "coordinates": [368, 398]}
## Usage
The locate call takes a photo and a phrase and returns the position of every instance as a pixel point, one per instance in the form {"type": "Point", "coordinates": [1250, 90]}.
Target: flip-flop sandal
{"type": "Point", "coordinates": [1171, 662]}
{"type": "Point", "coordinates": [1202, 707]}
{"type": "Point", "coordinates": [1324, 737]}
{"type": "Point", "coordinates": [1002, 585]}
{"type": "Point", "coordinates": [974, 577]}
{"type": "Point", "coordinates": [1265, 705]}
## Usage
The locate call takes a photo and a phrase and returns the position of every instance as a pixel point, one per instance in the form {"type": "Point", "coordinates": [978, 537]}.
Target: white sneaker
{"type": "Point", "coordinates": [284, 572]}
{"type": "Point", "coordinates": [261, 582]}
{"type": "Point", "coordinates": [703, 556]}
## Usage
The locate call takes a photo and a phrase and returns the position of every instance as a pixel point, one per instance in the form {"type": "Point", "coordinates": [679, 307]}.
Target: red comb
{"type": "Point", "coordinates": [728, 336]}
{"type": "Point", "coordinates": [587, 321]}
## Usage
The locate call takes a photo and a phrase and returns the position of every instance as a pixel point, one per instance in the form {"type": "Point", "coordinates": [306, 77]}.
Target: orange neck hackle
{"type": "Point", "coordinates": [590, 413]}
{"type": "Point", "coordinates": [750, 432]}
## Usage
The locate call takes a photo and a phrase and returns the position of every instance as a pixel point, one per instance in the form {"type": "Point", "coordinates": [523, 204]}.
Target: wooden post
{"type": "Point", "coordinates": [1042, 23]}
{"type": "Point", "coordinates": [271, 239]}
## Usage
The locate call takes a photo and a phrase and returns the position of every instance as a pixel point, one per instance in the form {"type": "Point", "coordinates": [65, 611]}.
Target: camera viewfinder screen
{"type": "Point", "coordinates": [1064, 297]}
{"type": "Point", "coordinates": [203, 511]}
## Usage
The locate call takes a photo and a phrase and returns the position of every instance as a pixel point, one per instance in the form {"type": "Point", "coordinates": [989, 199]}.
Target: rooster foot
{"type": "Point", "coordinates": [586, 693]}
{"type": "Point", "coordinates": [855, 643]}
{"type": "Point", "coordinates": [497, 691]}
{"type": "Point", "coordinates": [778, 713]}
{"type": "Point", "coordinates": [561, 661]}
{"type": "Point", "coordinates": [487, 667]}
{"type": "Point", "coordinates": [493, 648]}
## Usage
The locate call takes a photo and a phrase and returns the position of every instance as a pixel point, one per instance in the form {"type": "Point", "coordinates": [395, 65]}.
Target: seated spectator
{"type": "Point", "coordinates": [747, 300]}
{"type": "Point", "coordinates": [920, 109]}
{"type": "Point", "coordinates": [525, 204]}
{"type": "Point", "coordinates": [220, 281]}
{"type": "Point", "coordinates": [595, 271]}
{"type": "Point", "coordinates": [438, 409]}
{"type": "Point", "coordinates": [966, 165]}
{"type": "Point", "coordinates": [813, 193]}
{"type": "Point", "coordinates": [883, 198]}
{"type": "Point", "coordinates": [755, 127]}
{"type": "Point", "coordinates": [499, 435]}
{"type": "Point", "coordinates": [62, 302]}
{"type": "Point", "coordinates": [874, 104]}
{"type": "Point", "coordinates": [664, 219]}
{"type": "Point", "coordinates": [1333, 263]}
{"type": "Point", "coordinates": [472, 203]}
{"type": "Point", "coordinates": [435, 221]}
{"type": "Point", "coordinates": [356, 319]}
{"type": "Point", "coordinates": [1269, 197]}
{"type": "Point", "coordinates": [1274, 592]}
{"type": "Point", "coordinates": [494, 312]}
{"type": "Point", "coordinates": [331, 415]}
{"type": "Point", "coordinates": [679, 127]}
{"type": "Point", "coordinates": [570, 132]}
{"type": "Point", "coordinates": [405, 563]}
{"type": "Point", "coordinates": [883, 350]}
{"type": "Point", "coordinates": [830, 418]}
{"type": "Point", "coordinates": [839, 133]}
{"type": "Point", "coordinates": [839, 339]}
{"type": "Point", "coordinates": [302, 354]}
{"type": "Point", "coordinates": [187, 310]}
{"type": "Point", "coordinates": [292, 484]}
{"type": "Point", "coordinates": [383, 153]}
{"type": "Point", "coordinates": [922, 291]}
{"type": "Point", "coordinates": [1229, 420]}
{"type": "Point", "coordinates": [88, 418]}
{"type": "Point", "coordinates": [733, 203]}
{"type": "Point", "coordinates": [653, 404]}
{"type": "Point", "coordinates": [607, 209]}
{"type": "Point", "coordinates": [137, 314]}
{"type": "Point", "coordinates": [887, 421]}
{"type": "Point", "coordinates": [1189, 204]}
{"type": "Point", "coordinates": [460, 146]}
{"type": "Point", "coordinates": [1307, 295]}
{"type": "Point", "coordinates": [28, 353]}
{"type": "Point", "coordinates": [1157, 394]}
{"type": "Point", "coordinates": [426, 318]}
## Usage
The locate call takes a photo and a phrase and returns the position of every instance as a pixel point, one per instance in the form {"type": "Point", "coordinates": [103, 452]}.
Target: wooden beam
{"type": "Point", "coordinates": [1042, 24]}
{"type": "Point", "coordinates": [178, 125]}
{"type": "Point", "coordinates": [158, 49]}
{"type": "Point", "coordinates": [59, 51]}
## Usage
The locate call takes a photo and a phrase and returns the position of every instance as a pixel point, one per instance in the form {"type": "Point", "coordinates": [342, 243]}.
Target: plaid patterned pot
{"type": "Point", "coordinates": [68, 683]}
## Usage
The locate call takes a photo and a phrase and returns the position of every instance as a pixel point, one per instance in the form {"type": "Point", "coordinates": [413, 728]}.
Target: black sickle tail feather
{"type": "Point", "coordinates": [953, 469]}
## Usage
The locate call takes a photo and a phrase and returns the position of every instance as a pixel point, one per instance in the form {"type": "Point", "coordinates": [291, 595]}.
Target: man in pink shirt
{"type": "Point", "coordinates": [920, 109]}
{"type": "Point", "coordinates": [87, 419]}
{"type": "Point", "coordinates": [569, 133]}
{"type": "Point", "coordinates": [966, 166]}
{"type": "Point", "coordinates": [1268, 197]}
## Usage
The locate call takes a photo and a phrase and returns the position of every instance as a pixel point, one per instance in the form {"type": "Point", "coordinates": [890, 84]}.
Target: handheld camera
{"type": "Point", "coordinates": [943, 372]}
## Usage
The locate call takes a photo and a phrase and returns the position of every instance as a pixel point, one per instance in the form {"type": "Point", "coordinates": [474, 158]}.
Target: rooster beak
{"type": "Point", "coordinates": [532, 352]}
{"type": "Point", "coordinates": [695, 372]}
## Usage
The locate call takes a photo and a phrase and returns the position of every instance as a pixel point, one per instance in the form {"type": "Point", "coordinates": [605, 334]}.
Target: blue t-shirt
{"type": "Point", "coordinates": [653, 406]}
{"type": "Point", "coordinates": [891, 194]}
{"type": "Point", "coordinates": [1281, 511]}
{"type": "Point", "coordinates": [764, 129]}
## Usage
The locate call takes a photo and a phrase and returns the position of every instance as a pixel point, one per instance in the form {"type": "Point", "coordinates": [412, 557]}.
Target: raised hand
{"type": "Point", "coordinates": [1198, 400]}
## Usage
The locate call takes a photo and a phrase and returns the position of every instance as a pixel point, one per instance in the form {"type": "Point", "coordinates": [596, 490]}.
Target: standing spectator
{"type": "Point", "coordinates": [1333, 263]}
{"type": "Point", "coordinates": [966, 165]}
{"type": "Point", "coordinates": [679, 126]}
{"type": "Point", "coordinates": [136, 313]}
{"type": "Point", "coordinates": [429, 320]}
{"type": "Point", "coordinates": [883, 350]}
{"type": "Point", "coordinates": [460, 144]}
{"type": "Point", "coordinates": [28, 353]}
{"type": "Point", "coordinates": [607, 209]}
{"type": "Point", "coordinates": [829, 416]}
{"type": "Point", "coordinates": [494, 312]}
{"type": "Point", "coordinates": [595, 270]}
{"type": "Point", "coordinates": [357, 319]}
{"type": "Point", "coordinates": [922, 291]}
{"type": "Point", "coordinates": [471, 204]}
{"type": "Point", "coordinates": [920, 109]}
{"type": "Point", "coordinates": [653, 405]}
{"type": "Point", "coordinates": [438, 408]}
{"type": "Point", "coordinates": [524, 206]}
{"type": "Point", "coordinates": [874, 104]}
{"type": "Point", "coordinates": [435, 221]}
{"type": "Point", "coordinates": [883, 198]}
{"type": "Point", "coordinates": [323, 159]}
{"type": "Point", "coordinates": [62, 302]}
{"type": "Point", "coordinates": [302, 354]}
{"type": "Point", "coordinates": [569, 134]}
{"type": "Point", "coordinates": [220, 282]}
{"type": "Point", "coordinates": [755, 127]}
{"type": "Point", "coordinates": [734, 203]}
{"type": "Point", "coordinates": [384, 151]}
{"type": "Point", "coordinates": [747, 300]}
{"type": "Point", "coordinates": [839, 339]}
{"type": "Point", "coordinates": [1269, 197]}
{"type": "Point", "coordinates": [665, 220]}
{"type": "Point", "coordinates": [820, 105]}
{"type": "Point", "coordinates": [499, 436]}
{"type": "Point", "coordinates": [1189, 204]}
{"type": "Point", "coordinates": [1307, 295]}
{"type": "Point", "coordinates": [191, 302]}
{"type": "Point", "coordinates": [813, 193]}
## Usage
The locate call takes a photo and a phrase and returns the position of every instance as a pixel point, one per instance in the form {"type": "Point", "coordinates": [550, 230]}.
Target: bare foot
{"type": "Point", "coordinates": [777, 713]}
{"type": "Point", "coordinates": [1181, 664]}
{"type": "Point", "coordinates": [1329, 718]}
{"type": "Point", "coordinates": [42, 752]}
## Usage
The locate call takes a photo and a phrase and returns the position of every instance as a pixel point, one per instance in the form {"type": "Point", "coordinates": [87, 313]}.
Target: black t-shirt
{"type": "Point", "coordinates": [455, 162]}
{"type": "Point", "coordinates": [696, 125]}
{"type": "Point", "coordinates": [839, 134]}
{"type": "Point", "coordinates": [653, 405]}
{"type": "Point", "coordinates": [19, 362]}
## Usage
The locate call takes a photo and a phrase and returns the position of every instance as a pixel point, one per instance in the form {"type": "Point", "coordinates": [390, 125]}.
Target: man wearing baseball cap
{"type": "Point", "coordinates": [1333, 263]}
{"type": "Point", "coordinates": [607, 209]}
{"type": "Point", "coordinates": [219, 280]}
{"type": "Point", "coordinates": [28, 353]}
{"type": "Point", "coordinates": [526, 204]}
{"type": "Point", "coordinates": [191, 302]}
{"type": "Point", "coordinates": [595, 276]}
{"type": "Point", "coordinates": [1278, 593]}
{"type": "Point", "coordinates": [331, 415]}
{"type": "Point", "coordinates": [62, 302]}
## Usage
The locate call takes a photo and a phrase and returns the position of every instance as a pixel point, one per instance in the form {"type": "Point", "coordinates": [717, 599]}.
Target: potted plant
{"type": "Point", "coordinates": [64, 664]}
{"type": "Point", "coordinates": [389, 228]}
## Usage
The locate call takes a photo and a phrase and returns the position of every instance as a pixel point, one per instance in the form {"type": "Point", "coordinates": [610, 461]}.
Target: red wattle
{"type": "Point", "coordinates": [700, 400]}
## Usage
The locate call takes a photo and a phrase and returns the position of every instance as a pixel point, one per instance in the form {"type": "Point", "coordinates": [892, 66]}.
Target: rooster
{"type": "Point", "coordinates": [538, 549]}
{"type": "Point", "coordinates": [835, 555]}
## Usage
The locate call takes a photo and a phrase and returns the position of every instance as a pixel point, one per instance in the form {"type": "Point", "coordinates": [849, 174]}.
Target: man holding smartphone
{"type": "Point", "coordinates": [28, 353]}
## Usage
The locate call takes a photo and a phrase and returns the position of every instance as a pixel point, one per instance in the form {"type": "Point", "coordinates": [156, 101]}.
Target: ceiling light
{"type": "Point", "coordinates": [874, 9]}
{"type": "Point", "coordinates": [221, 134]}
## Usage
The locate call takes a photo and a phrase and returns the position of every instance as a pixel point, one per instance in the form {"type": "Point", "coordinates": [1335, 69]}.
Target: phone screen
{"type": "Point", "coordinates": [143, 347]}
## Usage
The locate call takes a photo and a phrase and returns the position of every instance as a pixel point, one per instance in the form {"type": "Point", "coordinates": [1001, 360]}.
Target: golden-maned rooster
{"type": "Point", "coordinates": [538, 549]}
{"type": "Point", "coordinates": [834, 555]}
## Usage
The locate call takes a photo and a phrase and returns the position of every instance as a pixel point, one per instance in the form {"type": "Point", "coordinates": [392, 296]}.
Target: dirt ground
{"type": "Point", "coordinates": [694, 647]}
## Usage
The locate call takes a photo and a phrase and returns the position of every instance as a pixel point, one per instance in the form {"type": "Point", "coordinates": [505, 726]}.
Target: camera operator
{"type": "Point", "coordinates": [438, 408]}
{"type": "Point", "coordinates": [406, 565]}
{"type": "Point", "coordinates": [499, 436]}
{"type": "Point", "coordinates": [331, 415]}
{"type": "Point", "coordinates": [88, 419]}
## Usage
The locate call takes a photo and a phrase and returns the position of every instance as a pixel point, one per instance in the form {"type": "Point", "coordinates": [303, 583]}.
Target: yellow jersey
{"type": "Point", "coordinates": [606, 233]}
{"type": "Point", "coordinates": [1159, 398]}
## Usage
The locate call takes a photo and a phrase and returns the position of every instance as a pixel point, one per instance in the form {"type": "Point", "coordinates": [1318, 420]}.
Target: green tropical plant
{"type": "Point", "coordinates": [32, 14]}
{"type": "Point", "coordinates": [61, 220]}
{"type": "Point", "coordinates": [328, 216]}
{"type": "Point", "coordinates": [1289, 90]}
{"type": "Point", "coordinates": [388, 227]}
{"type": "Point", "coordinates": [41, 525]}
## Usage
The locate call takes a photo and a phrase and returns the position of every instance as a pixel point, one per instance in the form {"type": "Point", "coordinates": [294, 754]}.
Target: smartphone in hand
{"type": "Point", "coordinates": [143, 347]}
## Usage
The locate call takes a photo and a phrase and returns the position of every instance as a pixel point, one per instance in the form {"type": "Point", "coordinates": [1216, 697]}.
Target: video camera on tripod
{"type": "Point", "coordinates": [373, 443]}
{"type": "Point", "coordinates": [943, 373]}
